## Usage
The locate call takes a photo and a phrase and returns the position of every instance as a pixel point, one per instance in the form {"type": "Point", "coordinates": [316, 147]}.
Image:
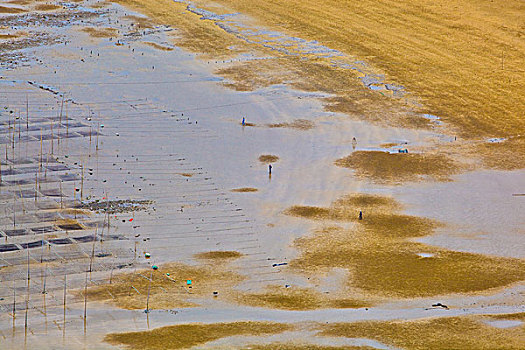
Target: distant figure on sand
{"type": "Point", "coordinates": [269, 169]}
{"type": "Point", "coordinates": [243, 122]}
{"type": "Point", "coordinates": [360, 215]}
{"type": "Point", "coordinates": [354, 142]}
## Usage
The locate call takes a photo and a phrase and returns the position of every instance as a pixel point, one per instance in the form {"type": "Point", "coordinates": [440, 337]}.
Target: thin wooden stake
{"type": "Point", "coordinates": [21, 199]}
{"type": "Point", "coordinates": [27, 297]}
{"type": "Point", "coordinates": [65, 287]}
{"type": "Point", "coordinates": [47, 164]}
{"type": "Point", "coordinates": [67, 119]}
{"type": "Point", "coordinates": [85, 302]}
{"type": "Point", "coordinates": [27, 112]}
{"type": "Point", "coordinates": [60, 119]}
{"type": "Point", "coordinates": [14, 300]}
{"type": "Point", "coordinates": [93, 251]}
{"type": "Point", "coordinates": [82, 183]}
{"type": "Point", "coordinates": [52, 137]}
{"type": "Point", "coordinates": [149, 288]}
{"type": "Point", "coordinates": [107, 208]}
{"type": "Point", "coordinates": [45, 277]}
{"type": "Point", "coordinates": [14, 210]}
{"type": "Point", "coordinates": [36, 185]}
{"type": "Point", "coordinates": [61, 196]}
{"type": "Point", "coordinates": [98, 131]}
{"type": "Point", "coordinates": [41, 147]}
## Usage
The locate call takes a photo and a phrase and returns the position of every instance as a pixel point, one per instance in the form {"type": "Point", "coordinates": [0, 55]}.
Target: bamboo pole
{"type": "Point", "coordinates": [52, 137]}
{"type": "Point", "coordinates": [98, 131]}
{"type": "Point", "coordinates": [14, 301]}
{"type": "Point", "coordinates": [41, 147]}
{"type": "Point", "coordinates": [14, 210]}
{"type": "Point", "coordinates": [47, 163]}
{"type": "Point", "coordinates": [27, 296]}
{"type": "Point", "coordinates": [93, 251]}
{"type": "Point", "coordinates": [27, 113]}
{"type": "Point", "coordinates": [107, 208]}
{"type": "Point", "coordinates": [149, 288]}
{"type": "Point", "coordinates": [36, 185]}
{"type": "Point", "coordinates": [42, 252]}
{"type": "Point", "coordinates": [65, 287]}
{"type": "Point", "coordinates": [61, 196]}
{"type": "Point", "coordinates": [21, 199]}
{"type": "Point", "coordinates": [13, 137]}
{"type": "Point", "coordinates": [85, 302]}
{"type": "Point", "coordinates": [60, 119]}
{"type": "Point", "coordinates": [82, 183]}
{"type": "Point", "coordinates": [45, 277]}
{"type": "Point", "coordinates": [67, 120]}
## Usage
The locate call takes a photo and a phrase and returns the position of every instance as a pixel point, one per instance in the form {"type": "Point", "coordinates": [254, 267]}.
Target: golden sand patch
{"type": "Point", "coordinates": [158, 46]}
{"type": "Point", "coordinates": [219, 255]}
{"type": "Point", "coordinates": [268, 158]}
{"type": "Point", "coordinates": [140, 22]}
{"type": "Point", "coordinates": [129, 290]}
{"type": "Point", "coordinates": [20, 2]}
{"type": "Point", "coordinates": [399, 167]}
{"type": "Point", "coordinates": [245, 189]}
{"type": "Point", "coordinates": [46, 7]}
{"type": "Point", "coordinates": [299, 124]}
{"type": "Point", "coordinates": [73, 211]}
{"type": "Point", "coordinates": [100, 4]}
{"type": "Point", "coordinates": [480, 43]}
{"type": "Point", "coordinates": [388, 145]}
{"type": "Point", "coordinates": [5, 9]}
{"type": "Point", "coordinates": [4, 36]}
{"type": "Point", "coordinates": [395, 269]}
{"type": "Point", "coordinates": [193, 34]}
{"type": "Point", "coordinates": [467, 332]}
{"type": "Point", "coordinates": [185, 174]}
{"type": "Point", "coordinates": [346, 208]}
{"type": "Point", "coordinates": [249, 76]}
{"type": "Point", "coordinates": [382, 261]}
{"type": "Point", "coordinates": [185, 336]}
{"type": "Point", "coordinates": [428, 48]}
{"type": "Point", "coordinates": [506, 155]}
{"type": "Point", "coordinates": [289, 346]}
{"type": "Point", "coordinates": [520, 316]}
{"type": "Point", "coordinates": [100, 32]}
{"type": "Point", "coordinates": [66, 55]}
{"type": "Point", "coordinates": [295, 298]}
{"type": "Point", "coordinates": [350, 96]}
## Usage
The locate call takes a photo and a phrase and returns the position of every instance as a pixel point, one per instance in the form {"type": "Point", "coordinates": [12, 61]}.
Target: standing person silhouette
{"type": "Point", "coordinates": [269, 169]}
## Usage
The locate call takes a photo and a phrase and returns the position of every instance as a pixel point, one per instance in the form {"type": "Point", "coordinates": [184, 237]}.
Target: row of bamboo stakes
{"type": "Point", "coordinates": [11, 137]}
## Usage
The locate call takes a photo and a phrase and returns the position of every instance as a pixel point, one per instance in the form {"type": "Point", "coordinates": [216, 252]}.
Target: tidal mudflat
{"type": "Point", "coordinates": [139, 211]}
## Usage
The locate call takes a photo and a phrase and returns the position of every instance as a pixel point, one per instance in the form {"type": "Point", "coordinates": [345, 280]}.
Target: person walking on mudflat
{"type": "Point", "coordinates": [269, 169]}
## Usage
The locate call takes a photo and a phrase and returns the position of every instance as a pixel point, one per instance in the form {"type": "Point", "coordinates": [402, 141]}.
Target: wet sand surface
{"type": "Point", "coordinates": [132, 123]}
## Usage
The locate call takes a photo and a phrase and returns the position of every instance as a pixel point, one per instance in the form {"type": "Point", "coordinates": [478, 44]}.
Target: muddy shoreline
{"type": "Point", "coordinates": [122, 148]}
